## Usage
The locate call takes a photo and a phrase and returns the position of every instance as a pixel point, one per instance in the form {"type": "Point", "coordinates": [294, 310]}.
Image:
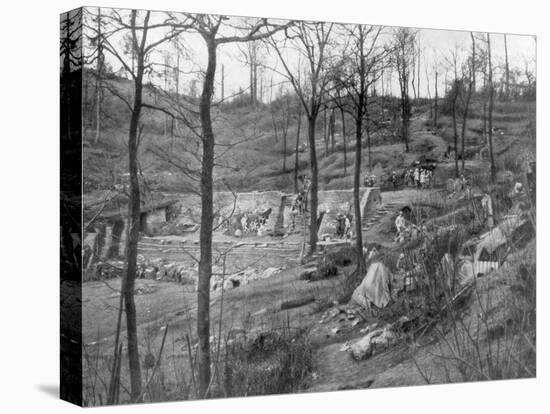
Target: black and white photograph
{"type": "Point", "coordinates": [255, 206]}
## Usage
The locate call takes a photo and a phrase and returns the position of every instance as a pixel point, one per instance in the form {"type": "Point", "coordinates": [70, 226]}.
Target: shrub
{"type": "Point", "coordinates": [271, 363]}
{"type": "Point", "coordinates": [326, 268]}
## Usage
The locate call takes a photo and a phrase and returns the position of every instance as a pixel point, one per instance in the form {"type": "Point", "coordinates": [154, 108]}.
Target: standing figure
{"type": "Point", "coordinates": [347, 227]}
{"type": "Point", "coordinates": [244, 223]}
{"type": "Point", "coordinates": [400, 223]}
{"type": "Point", "coordinates": [422, 178]}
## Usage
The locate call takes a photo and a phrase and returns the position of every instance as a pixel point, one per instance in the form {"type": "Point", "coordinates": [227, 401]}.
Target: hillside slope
{"type": "Point", "coordinates": [251, 152]}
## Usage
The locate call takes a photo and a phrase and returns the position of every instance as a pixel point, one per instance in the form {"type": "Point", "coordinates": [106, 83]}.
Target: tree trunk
{"type": "Point", "coordinates": [413, 77]}
{"type": "Point", "coordinates": [331, 129]}
{"type": "Point", "coordinates": [369, 144]}
{"type": "Point", "coordinates": [207, 216]}
{"type": "Point", "coordinates": [356, 186]}
{"type": "Point", "coordinates": [252, 64]}
{"type": "Point", "coordinates": [314, 184]}
{"type": "Point", "coordinates": [325, 131]}
{"type": "Point", "coordinates": [418, 78]}
{"type": "Point", "coordinates": [405, 104]}
{"type": "Point", "coordinates": [255, 79]}
{"type": "Point", "coordinates": [98, 79]}
{"type": "Point", "coordinates": [133, 236]}
{"type": "Point", "coordinates": [455, 131]}
{"type": "Point", "coordinates": [467, 104]}
{"type": "Point", "coordinates": [223, 83]}
{"type": "Point", "coordinates": [507, 69]}
{"type": "Point", "coordinates": [296, 153]}
{"type": "Point", "coordinates": [465, 120]}
{"type": "Point", "coordinates": [474, 65]}
{"type": "Point", "coordinates": [490, 109]}
{"type": "Point", "coordinates": [405, 119]}
{"type": "Point", "coordinates": [435, 103]}
{"type": "Point", "coordinates": [485, 99]}
{"type": "Point", "coordinates": [285, 130]}
{"type": "Point", "coordinates": [343, 115]}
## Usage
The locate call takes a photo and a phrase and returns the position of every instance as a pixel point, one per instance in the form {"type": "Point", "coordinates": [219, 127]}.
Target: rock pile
{"type": "Point", "coordinates": [161, 269]}
{"type": "Point", "coordinates": [241, 278]}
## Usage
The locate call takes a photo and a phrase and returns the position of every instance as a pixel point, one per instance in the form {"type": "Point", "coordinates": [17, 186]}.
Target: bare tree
{"type": "Point", "coordinates": [452, 96]}
{"type": "Point", "coordinates": [404, 53]}
{"type": "Point", "coordinates": [486, 64]}
{"type": "Point", "coordinates": [491, 104]}
{"type": "Point", "coordinates": [506, 69]}
{"type": "Point", "coordinates": [361, 70]}
{"type": "Point", "coordinates": [139, 28]}
{"type": "Point", "coordinates": [339, 98]}
{"type": "Point", "coordinates": [210, 27]}
{"type": "Point", "coordinates": [96, 39]}
{"type": "Point", "coordinates": [286, 123]}
{"type": "Point", "coordinates": [297, 149]}
{"type": "Point", "coordinates": [253, 56]}
{"type": "Point", "coordinates": [466, 102]}
{"type": "Point", "coordinates": [311, 40]}
{"type": "Point", "coordinates": [282, 106]}
{"type": "Point", "coordinates": [418, 66]}
{"type": "Point", "coordinates": [436, 97]}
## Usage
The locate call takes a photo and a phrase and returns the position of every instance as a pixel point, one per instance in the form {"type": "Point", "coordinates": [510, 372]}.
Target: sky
{"type": "Point", "coordinates": [436, 46]}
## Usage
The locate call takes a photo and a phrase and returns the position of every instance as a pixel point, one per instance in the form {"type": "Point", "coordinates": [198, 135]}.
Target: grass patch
{"type": "Point", "coordinates": [274, 362]}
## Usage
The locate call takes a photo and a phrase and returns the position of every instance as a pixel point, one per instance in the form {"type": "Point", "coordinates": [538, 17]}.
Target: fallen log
{"type": "Point", "coordinates": [296, 303]}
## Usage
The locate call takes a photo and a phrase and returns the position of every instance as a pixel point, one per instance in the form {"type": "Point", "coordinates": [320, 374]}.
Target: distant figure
{"type": "Point", "coordinates": [347, 227]}
{"type": "Point", "coordinates": [416, 177]}
{"type": "Point", "coordinates": [487, 206]}
{"type": "Point", "coordinates": [518, 188]}
{"type": "Point", "coordinates": [307, 183]}
{"type": "Point", "coordinates": [320, 218]}
{"type": "Point", "coordinates": [429, 177]}
{"type": "Point", "coordinates": [293, 213]}
{"type": "Point", "coordinates": [261, 230]}
{"type": "Point", "coordinates": [422, 178]}
{"type": "Point", "coordinates": [400, 265]}
{"type": "Point", "coordinates": [372, 253]}
{"type": "Point", "coordinates": [400, 223]}
{"type": "Point", "coordinates": [340, 226]}
{"type": "Point", "coordinates": [301, 203]}
{"type": "Point", "coordinates": [394, 179]}
{"type": "Point", "coordinates": [244, 224]}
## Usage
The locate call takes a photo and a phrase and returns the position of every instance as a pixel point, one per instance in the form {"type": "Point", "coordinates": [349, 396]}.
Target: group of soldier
{"type": "Point", "coordinates": [419, 177]}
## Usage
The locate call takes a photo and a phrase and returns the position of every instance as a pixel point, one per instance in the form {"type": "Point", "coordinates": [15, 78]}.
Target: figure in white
{"type": "Point", "coordinates": [400, 223]}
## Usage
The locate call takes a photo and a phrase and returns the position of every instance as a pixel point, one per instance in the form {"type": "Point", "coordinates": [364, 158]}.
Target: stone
{"type": "Point", "coordinates": [228, 284]}
{"type": "Point", "coordinates": [373, 343]}
{"type": "Point", "coordinates": [270, 271]}
{"type": "Point", "coordinates": [260, 312]}
{"type": "Point", "coordinates": [308, 273]}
